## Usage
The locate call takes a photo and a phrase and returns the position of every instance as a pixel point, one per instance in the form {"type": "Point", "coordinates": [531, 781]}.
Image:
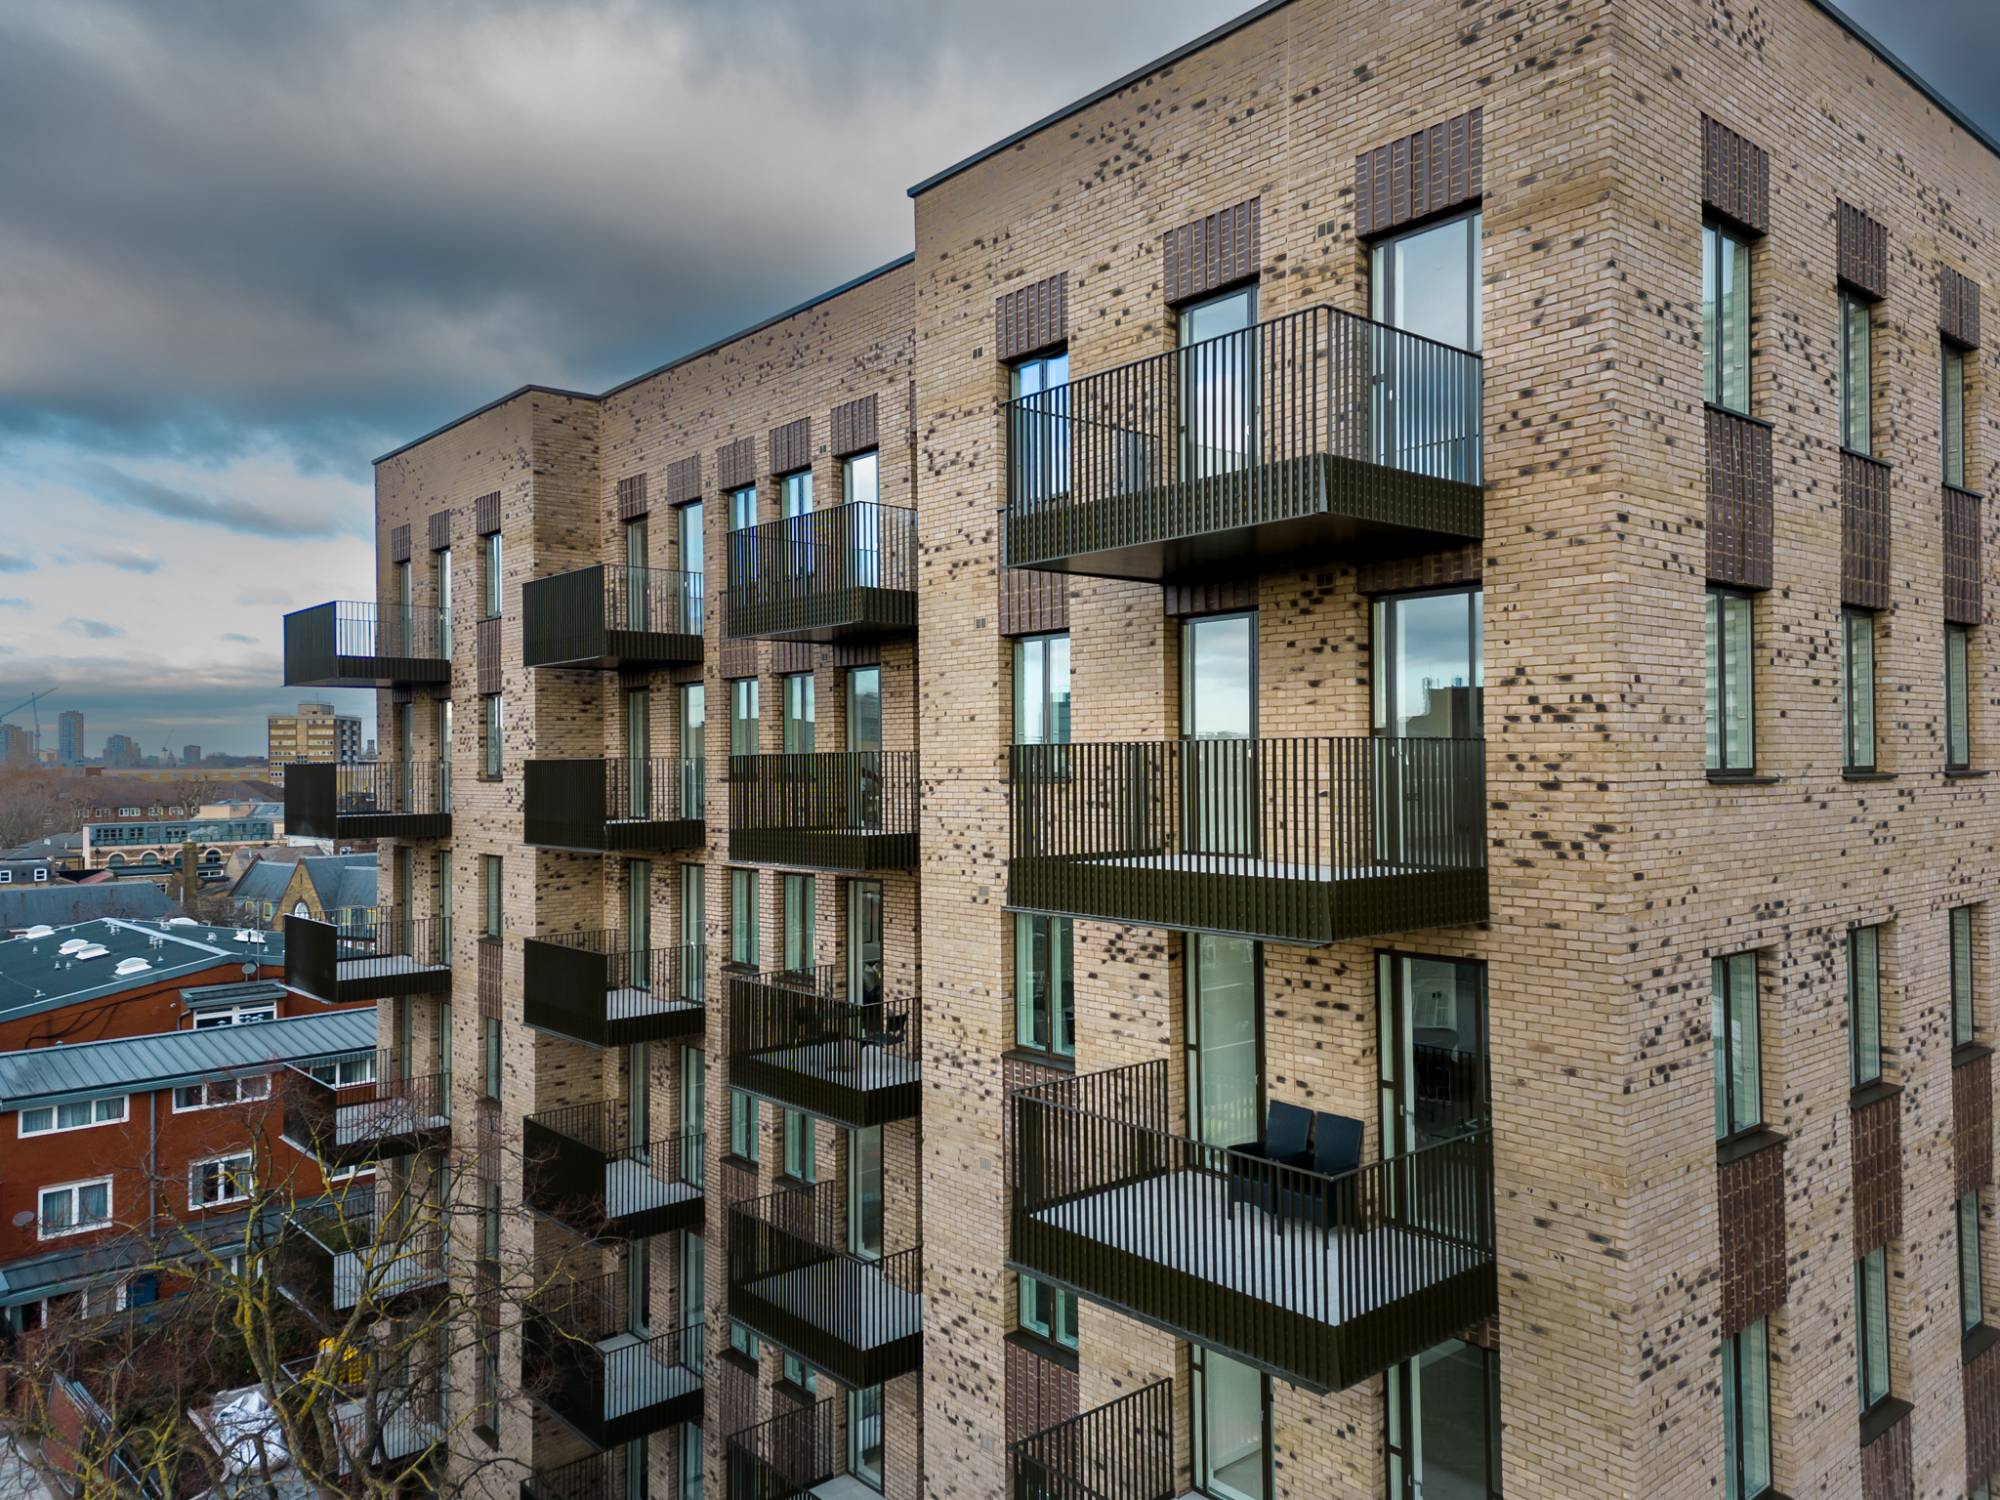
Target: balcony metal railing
{"type": "Point", "coordinates": [1122, 1450]}
{"type": "Point", "coordinates": [788, 1454]}
{"type": "Point", "coordinates": [795, 1037]}
{"type": "Point", "coordinates": [1300, 840]}
{"type": "Point", "coordinates": [581, 1358]}
{"type": "Point", "coordinates": [652, 802]}
{"type": "Point", "coordinates": [859, 1318]}
{"type": "Point", "coordinates": [598, 1476]}
{"type": "Point", "coordinates": [1325, 1280]}
{"type": "Point", "coordinates": [387, 799]}
{"type": "Point", "coordinates": [835, 809]}
{"type": "Point", "coordinates": [597, 988]}
{"type": "Point", "coordinates": [612, 616]}
{"type": "Point", "coordinates": [346, 1253]}
{"type": "Point", "coordinates": [358, 643]}
{"type": "Point", "coordinates": [582, 1167]}
{"type": "Point", "coordinates": [387, 1116]}
{"type": "Point", "coordinates": [369, 954]}
{"type": "Point", "coordinates": [1317, 413]}
{"type": "Point", "coordinates": [843, 570]}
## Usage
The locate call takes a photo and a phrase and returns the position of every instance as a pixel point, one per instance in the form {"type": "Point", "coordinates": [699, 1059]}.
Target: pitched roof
{"type": "Point", "coordinates": [46, 848]}
{"type": "Point", "coordinates": [344, 881]}
{"type": "Point", "coordinates": [265, 880]}
{"type": "Point", "coordinates": [168, 1058]}
{"type": "Point", "coordinates": [61, 903]}
{"type": "Point", "coordinates": [36, 976]}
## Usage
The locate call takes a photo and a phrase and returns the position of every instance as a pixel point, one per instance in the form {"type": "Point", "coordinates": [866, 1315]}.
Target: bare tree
{"type": "Point", "coordinates": [31, 807]}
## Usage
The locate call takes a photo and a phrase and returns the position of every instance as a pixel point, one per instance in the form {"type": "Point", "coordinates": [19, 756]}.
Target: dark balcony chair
{"type": "Point", "coordinates": [1325, 1198]}
{"type": "Point", "coordinates": [1286, 1127]}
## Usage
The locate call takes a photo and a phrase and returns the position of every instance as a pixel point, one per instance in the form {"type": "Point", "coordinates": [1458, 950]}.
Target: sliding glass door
{"type": "Point", "coordinates": [1225, 1064]}
{"type": "Point", "coordinates": [1219, 730]}
{"type": "Point", "coordinates": [1425, 284]}
{"type": "Point", "coordinates": [1429, 685]}
{"type": "Point", "coordinates": [1219, 384]}
{"type": "Point", "coordinates": [1232, 1427]}
{"type": "Point", "coordinates": [1443, 1413]}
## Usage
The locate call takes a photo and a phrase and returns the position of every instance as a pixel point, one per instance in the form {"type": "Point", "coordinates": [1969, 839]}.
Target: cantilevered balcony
{"type": "Point", "coordinates": [582, 1167]}
{"type": "Point", "coordinates": [1323, 1280]}
{"type": "Point", "coordinates": [797, 1039]}
{"type": "Point", "coordinates": [346, 1125]}
{"type": "Point", "coordinates": [857, 1317]}
{"type": "Point", "coordinates": [384, 799]}
{"type": "Point", "coordinates": [833, 810]}
{"type": "Point", "coordinates": [1313, 435]}
{"type": "Point", "coordinates": [613, 806]}
{"type": "Point", "coordinates": [597, 1476]}
{"type": "Point", "coordinates": [612, 618]}
{"type": "Point", "coordinates": [595, 987]}
{"type": "Point", "coordinates": [373, 955]}
{"type": "Point", "coordinates": [844, 572]}
{"type": "Point", "coordinates": [1309, 840]}
{"type": "Point", "coordinates": [785, 1457]}
{"type": "Point", "coordinates": [582, 1360]}
{"type": "Point", "coordinates": [339, 1254]}
{"type": "Point", "coordinates": [352, 643]}
{"type": "Point", "coordinates": [1122, 1450]}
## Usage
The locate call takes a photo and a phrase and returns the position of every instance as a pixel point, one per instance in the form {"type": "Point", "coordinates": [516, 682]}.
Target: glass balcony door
{"type": "Point", "coordinates": [1426, 283]}
{"type": "Point", "coordinates": [864, 1436]}
{"type": "Point", "coordinates": [1443, 1427]}
{"type": "Point", "coordinates": [1041, 447]}
{"type": "Point", "coordinates": [693, 568]}
{"type": "Point", "coordinates": [1219, 730]}
{"type": "Point", "coordinates": [864, 1193]}
{"type": "Point", "coordinates": [1219, 384]}
{"type": "Point", "coordinates": [864, 946]}
{"type": "Point", "coordinates": [694, 1110]}
{"type": "Point", "coordinates": [1232, 1427]}
{"type": "Point", "coordinates": [638, 742]}
{"type": "Point", "coordinates": [1432, 1015]}
{"type": "Point", "coordinates": [1429, 684]}
{"type": "Point", "coordinates": [637, 615]}
{"type": "Point", "coordinates": [694, 725]}
{"type": "Point", "coordinates": [864, 739]}
{"type": "Point", "coordinates": [639, 1287]}
{"type": "Point", "coordinates": [1225, 1061]}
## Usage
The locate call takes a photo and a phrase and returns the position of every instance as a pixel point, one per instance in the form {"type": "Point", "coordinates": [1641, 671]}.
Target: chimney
{"type": "Point", "coordinates": [189, 879]}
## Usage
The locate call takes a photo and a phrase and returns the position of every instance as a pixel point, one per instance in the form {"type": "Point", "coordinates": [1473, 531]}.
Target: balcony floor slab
{"type": "Point", "coordinates": [629, 1188]}
{"type": "Point", "coordinates": [632, 1385]}
{"type": "Point", "coordinates": [385, 966]}
{"type": "Point", "coordinates": [390, 1276]}
{"type": "Point", "coordinates": [854, 1065]}
{"type": "Point", "coordinates": [383, 1119]}
{"type": "Point", "coordinates": [817, 1295]}
{"type": "Point", "coordinates": [632, 1004]}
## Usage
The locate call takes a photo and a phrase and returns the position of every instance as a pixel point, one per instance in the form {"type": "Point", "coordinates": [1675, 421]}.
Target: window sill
{"type": "Point", "coordinates": [1746, 1143]}
{"type": "Point", "coordinates": [734, 1356]}
{"type": "Point", "coordinates": [1976, 1341]}
{"type": "Point", "coordinates": [482, 776]}
{"type": "Point", "coordinates": [1963, 773]}
{"type": "Point", "coordinates": [743, 1163]}
{"type": "Point", "coordinates": [793, 1184]}
{"type": "Point", "coordinates": [1873, 1093]}
{"type": "Point", "coordinates": [1741, 416]}
{"type": "Point", "coordinates": [1883, 1416]}
{"type": "Point", "coordinates": [1053, 1060]}
{"type": "Point", "coordinates": [1741, 778]}
{"type": "Point", "coordinates": [794, 1391]}
{"type": "Point", "coordinates": [1044, 1349]}
{"type": "Point", "coordinates": [1970, 1052]}
{"type": "Point", "coordinates": [1860, 775]}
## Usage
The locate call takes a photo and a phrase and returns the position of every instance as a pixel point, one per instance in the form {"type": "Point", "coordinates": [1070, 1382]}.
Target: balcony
{"type": "Point", "coordinates": [354, 643]}
{"type": "Point", "coordinates": [593, 987]}
{"type": "Point", "coordinates": [785, 1457]}
{"type": "Point", "coordinates": [582, 1168]}
{"type": "Point", "coordinates": [795, 1039]}
{"type": "Point", "coordinates": [581, 1359]}
{"type": "Point", "coordinates": [1311, 840]}
{"type": "Point", "coordinates": [837, 810]}
{"type": "Point", "coordinates": [386, 799]}
{"type": "Point", "coordinates": [347, 1126]}
{"type": "Point", "coordinates": [376, 955]}
{"type": "Point", "coordinates": [598, 1476]}
{"type": "Point", "coordinates": [857, 1318]}
{"type": "Point", "coordinates": [610, 618]}
{"type": "Point", "coordinates": [614, 806]}
{"type": "Point", "coordinates": [1123, 1450]}
{"type": "Point", "coordinates": [842, 573]}
{"type": "Point", "coordinates": [1313, 435]}
{"type": "Point", "coordinates": [339, 1254]}
{"type": "Point", "coordinates": [408, 1418]}
{"type": "Point", "coordinates": [1322, 1280]}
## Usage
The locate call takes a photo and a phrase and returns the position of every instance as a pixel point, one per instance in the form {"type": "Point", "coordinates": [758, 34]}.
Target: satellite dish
{"type": "Point", "coordinates": [24, 1218]}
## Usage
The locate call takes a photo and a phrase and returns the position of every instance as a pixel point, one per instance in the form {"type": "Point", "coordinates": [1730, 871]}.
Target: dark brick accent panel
{"type": "Point", "coordinates": [1183, 599]}
{"type": "Point", "coordinates": [1031, 318]}
{"type": "Point", "coordinates": [1982, 1416]}
{"type": "Point", "coordinates": [440, 530]}
{"type": "Point", "coordinates": [1887, 1472]}
{"type": "Point", "coordinates": [855, 426]}
{"type": "Point", "coordinates": [1040, 1392]}
{"type": "Point", "coordinates": [1958, 308]}
{"type": "Point", "coordinates": [1211, 253]}
{"type": "Point", "coordinates": [686, 672]}
{"type": "Point", "coordinates": [1433, 570]}
{"type": "Point", "coordinates": [492, 974]}
{"type": "Point", "coordinates": [1972, 1123]}
{"type": "Point", "coordinates": [1864, 251]}
{"type": "Point", "coordinates": [1878, 1173]}
{"type": "Point", "coordinates": [399, 544]}
{"type": "Point", "coordinates": [791, 656]}
{"type": "Point", "coordinates": [1739, 501]}
{"type": "Point", "coordinates": [486, 642]}
{"type": "Point", "coordinates": [1864, 532]}
{"type": "Point", "coordinates": [1418, 175]}
{"type": "Point", "coordinates": [1735, 177]}
{"type": "Point", "coordinates": [1032, 602]}
{"type": "Point", "coordinates": [738, 659]}
{"type": "Point", "coordinates": [1963, 604]}
{"type": "Point", "coordinates": [684, 480]}
{"type": "Point", "coordinates": [856, 653]}
{"type": "Point", "coordinates": [792, 446]}
{"type": "Point", "coordinates": [1750, 1201]}
{"type": "Point", "coordinates": [486, 514]}
{"type": "Point", "coordinates": [632, 497]}
{"type": "Point", "coordinates": [736, 464]}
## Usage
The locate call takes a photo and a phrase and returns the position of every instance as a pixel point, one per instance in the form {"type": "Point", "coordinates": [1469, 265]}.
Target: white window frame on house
{"type": "Point", "coordinates": [41, 873]}
{"type": "Point", "coordinates": [345, 1072]}
{"type": "Point", "coordinates": [75, 1191]}
{"type": "Point", "coordinates": [235, 1015]}
{"type": "Point", "coordinates": [100, 1109]}
{"type": "Point", "coordinates": [252, 1088]}
{"type": "Point", "coordinates": [196, 1175]}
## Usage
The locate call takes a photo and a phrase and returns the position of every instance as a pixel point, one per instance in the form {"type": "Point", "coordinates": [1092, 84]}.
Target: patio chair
{"type": "Point", "coordinates": [1286, 1127]}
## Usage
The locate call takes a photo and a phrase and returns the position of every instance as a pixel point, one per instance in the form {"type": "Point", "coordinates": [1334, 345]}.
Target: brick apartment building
{"type": "Point", "coordinates": [1302, 814]}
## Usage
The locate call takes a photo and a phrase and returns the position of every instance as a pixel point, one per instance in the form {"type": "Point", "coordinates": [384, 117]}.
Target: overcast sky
{"type": "Point", "coordinates": [247, 247]}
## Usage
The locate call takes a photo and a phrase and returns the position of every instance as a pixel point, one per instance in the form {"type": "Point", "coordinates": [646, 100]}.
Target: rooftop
{"type": "Point", "coordinates": [36, 975]}
{"type": "Point", "coordinates": [60, 903]}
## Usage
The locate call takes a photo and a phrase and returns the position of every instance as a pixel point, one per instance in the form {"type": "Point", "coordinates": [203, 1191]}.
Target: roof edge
{"type": "Point", "coordinates": [480, 411]}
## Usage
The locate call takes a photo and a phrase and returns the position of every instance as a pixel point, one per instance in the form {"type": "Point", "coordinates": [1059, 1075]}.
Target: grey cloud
{"type": "Point", "coordinates": [130, 490]}
{"type": "Point", "coordinates": [263, 596]}
{"type": "Point", "coordinates": [13, 563]}
{"type": "Point", "coordinates": [96, 630]}
{"type": "Point", "coordinates": [158, 702]}
{"type": "Point", "coordinates": [238, 636]}
{"type": "Point", "coordinates": [116, 555]}
{"type": "Point", "coordinates": [13, 604]}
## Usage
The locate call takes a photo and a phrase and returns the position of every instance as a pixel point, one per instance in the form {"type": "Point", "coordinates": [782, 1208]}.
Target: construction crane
{"type": "Point", "coordinates": [30, 702]}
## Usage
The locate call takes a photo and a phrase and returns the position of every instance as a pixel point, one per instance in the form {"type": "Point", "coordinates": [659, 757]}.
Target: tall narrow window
{"type": "Point", "coordinates": [1739, 1083]}
{"type": "Point", "coordinates": [801, 896]}
{"type": "Point", "coordinates": [743, 716]}
{"type": "Point", "coordinates": [1952, 423]}
{"type": "Point", "coordinates": [1871, 1328]}
{"type": "Point", "coordinates": [1729, 700]}
{"type": "Point", "coordinates": [801, 1146]}
{"type": "Point", "coordinates": [491, 735]}
{"type": "Point", "coordinates": [687, 1463]}
{"type": "Point", "coordinates": [861, 478]}
{"type": "Point", "coordinates": [743, 918]}
{"type": "Point", "coordinates": [1443, 1421]}
{"type": "Point", "coordinates": [1044, 991]}
{"type": "Point", "coordinates": [1971, 1280]}
{"type": "Point", "coordinates": [490, 1044]}
{"type": "Point", "coordinates": [493, 577]}
{"type": "Point", "coordinates": [1957, 697]}
{"type": "Point", "coordinates": [744, 1138]}
{"type": "Point", "coordinates": [800, 713]}
{"type": "Point", "coordinates": [443, 559]}
{"type": "Point", "coordinates": [694, 728]}
{"type": "Point", "coordinates": [743, 508]}
{"type": "Point", "coordinates": [1857, 689]}
{"type": "Point", "coordinates": [1725, 318]}
{"type": "Point", "coordinates": [1041, 690]}
{"type": "Point", "coordinates": [489, 870]}
{"type": "Point", "coordinates": [693, 560]}
{"type": "Point", "coordinates": [795, 493]}
{"type": "Point", "coordinates": [1857, 400]}
{"type": "Point", "coordinates": [1964, 1028]}
{"type": "Point", "coordinates": [1746, 1412]}
{"type": "Point", "coordinates": [1039, 447]}
{"type": "Point", "coordinates": [1864, 1007]}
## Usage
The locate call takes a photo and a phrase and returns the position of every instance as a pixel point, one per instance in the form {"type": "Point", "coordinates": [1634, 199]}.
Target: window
{"type": "Point", "coordinates": [490, 888]}
{"type": "Point", "coordinates": [1871, 1328]}
{"type": "Point", "coordinates": [1857, 689]}
{"type": "Point", "coordinates": [1739, 1084]}
{"type": "Point", "coordinates": [801, 897]}
{"type": "Point", "coordinates": [1963, 1022]}
{"type": "Point", "coordinates": [743, 918]}
{"type": "Point", "coordinates": [1039, 456]}
{"type": "Point", "coordinates": [1971, 1281]}
{"type": "Point", "coordinates": [1731, 721]}
{"type": "Point", "coordinates": [226, 1179]}
{"type": "Point", "coordinates": [1857, 412]}
{"type": "Point", "coordinates": [1952, 421]}
{"type": "Point", "coordinates": [442, 557]}
{"type": "Point", "coordinates": [72, 1208]}
{"type": "Point", "coordinates": [800, 1374]}
{"type": "Point", "coordinates": [345, 1072]}
{"type": "Point", "coordinates": [41, 871]}
{"type": "Point", "coordinates": [861, 478]}
{"type": "Point", "coordinates": [744, 1342]}
{"type": "Point", "coordinates": [234, 1015]}
{"type": "Point", "coordinates": [801, 1146]}
{"type": "Point", "coordinates": [1044, 985]}
{"type": "Point", "coordinates": [744, 1136]}
{"type": "Point", "coordinates": [490, 736]}
{"type": "Point", "coordinates": [687, 1463]}
{"type": "Point", "coordinates": [799, 713]}
{"type": "Point", "coordinates": [795, 493]}
{"type": "Point", "coordinates": [1049, 1311]}
{"type": "Point", "coordinates": [1864, 1007]}
{"type": "Point", "coordinates": [78, 1114]}
{"type": "Point", "coordinates": [1725, 318]}
{"type": "Point", "coordinates": [1746, 1412]}
{"type": "Point", "coordinates": [1957, 699]}
{"type": "Point", "coordinates": [743, 508]}
{"type": "Point", "coordinates": [743, 716]}
{"type": "Point", "coordinates": [6, 877]}
{"type": "Point", "coordinates": [222, 1092]}
{"type": "Point", "coordinates": [1041, 690]}
{"type": "Point", "coordinates": [490, 1041]}
{"type": "Point", "coordinates": [490, 590]}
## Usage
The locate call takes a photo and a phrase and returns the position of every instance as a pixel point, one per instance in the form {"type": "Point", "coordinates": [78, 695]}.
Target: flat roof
{"type": "Point", "coordinates": [36, 976]}
{"type": "Point", "coordinates": [1228, 28]}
